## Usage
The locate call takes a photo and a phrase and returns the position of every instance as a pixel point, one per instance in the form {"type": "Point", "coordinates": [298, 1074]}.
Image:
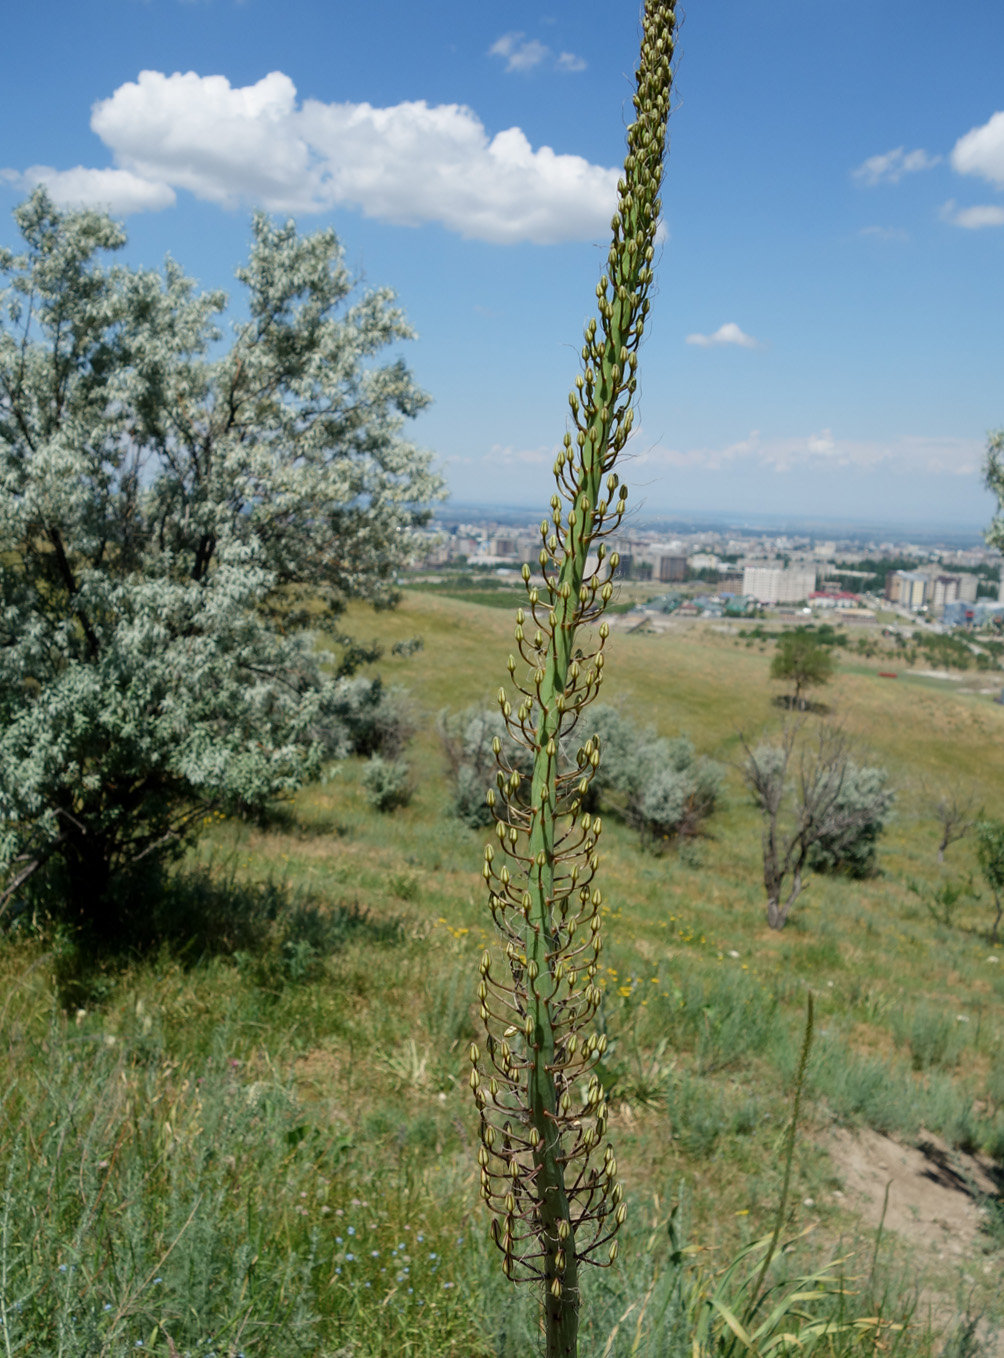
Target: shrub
{"type": "Point", "coordinates": [990, 853]}
{"type": "Point", "coordinates": [819, 810]}
{"type": "Point", "coordinates": [675, 791]}
{"type": "Point", "coordinates": [467, 742]}
{"type": "Point", "coordinates": [376, 720]}
{"type": "Point", "coordinates": [848, 844]}
{"type": "Point", "coordinates": [661, 787]}
{"type": "Point", "coordinates": [387, 783]}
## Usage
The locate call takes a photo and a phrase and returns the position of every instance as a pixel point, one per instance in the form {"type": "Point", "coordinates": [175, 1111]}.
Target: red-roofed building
{"type": "Point", "coordinates": [836, 598]}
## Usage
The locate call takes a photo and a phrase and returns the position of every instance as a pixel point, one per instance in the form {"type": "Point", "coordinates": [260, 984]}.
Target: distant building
{"type": "Point", "coordinates": [957, 614]}
{"type": "Point", "coordinates": [778, 584]}
{"type": "Point", "coordinates": [909, 588]}
{"type": "Point", "coordinates": [834, 598]}
{"type": "Point", "coordinates": [986, 612]}
{"type": "Point", "coordinates": [669, 567]}
{"type": "Point", "coordinates": [914, 589]}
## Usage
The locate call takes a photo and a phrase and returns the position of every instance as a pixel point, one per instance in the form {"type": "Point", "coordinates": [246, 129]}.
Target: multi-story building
{"type": "Point", "coordinates": [777, 584]}
{"type": "Point", "coordinates": [669, 566]}
{"type": "Point", "coordinates": [909, 588]}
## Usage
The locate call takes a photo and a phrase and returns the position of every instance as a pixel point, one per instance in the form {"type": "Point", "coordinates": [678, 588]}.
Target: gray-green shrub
{"type": "Point", "coordinates": [848, 845]}
{"type": "Point", "coordinates": [467, 743]}
{"type": "Point", "coordinates": [387, 783]}
{"type": "Point", "coordinates": [662, 787]}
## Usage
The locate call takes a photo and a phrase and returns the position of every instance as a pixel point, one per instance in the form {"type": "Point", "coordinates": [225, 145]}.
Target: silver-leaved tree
{"type": "Point", "coordinates": [179, 519]}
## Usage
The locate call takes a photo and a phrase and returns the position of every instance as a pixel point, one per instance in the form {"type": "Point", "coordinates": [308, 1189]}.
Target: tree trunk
{"type": "Point", "coordinates": [777, 914]}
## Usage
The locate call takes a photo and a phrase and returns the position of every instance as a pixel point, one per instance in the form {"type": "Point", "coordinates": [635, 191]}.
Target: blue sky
{"type": "Point", "coordinates": [827, 334]}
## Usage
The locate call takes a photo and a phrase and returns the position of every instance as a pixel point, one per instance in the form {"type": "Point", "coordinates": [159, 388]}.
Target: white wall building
{"type": "Point", "coordinates": [778, 584]}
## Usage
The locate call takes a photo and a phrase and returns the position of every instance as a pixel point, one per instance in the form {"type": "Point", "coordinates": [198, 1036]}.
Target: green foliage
{"type": "Point", "coordinates": [847, 843]}
{"type": "Point", "coordinates": [375, 720]}
{"type": "Point", "coordinates": [993, 471]}
{"type": "Point", "coordinates": [932, 1036]}
{"type": "Point", "coordinates": [819, 810]}
{"type": "Point", "coordinates": [990, 854]}
{"type": "Point", "coordinates": [943, 901]}
{"type": "Point", "coordinates": [801, 660]}
{"type": "Point", "coordinates": [387, 783]}
{"type": "Point", "coordinates": [178, 521]}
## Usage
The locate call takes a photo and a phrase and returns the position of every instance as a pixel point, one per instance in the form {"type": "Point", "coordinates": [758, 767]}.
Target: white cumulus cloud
{"type": "Point", "coordinates": [408, 163]}
{"type": "Point", "coordinates": [729, 333]}
{"type": "Point", "coordinates": [114, 190]}
{"type": "Point", "coordinates": [523, 54]}
{"type": "Point", "coordinates": [972, 218]}
{"type": "Point", "coordinates": [890, 167]}
{"type": "Point", "coordinates": [519, 52]}
{"type": "Point", "coordinates": [981, 151]}
{"type": "Point", "coordinates": [568, 61]}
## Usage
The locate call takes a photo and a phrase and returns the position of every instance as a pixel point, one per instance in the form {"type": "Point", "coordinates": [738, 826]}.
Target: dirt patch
{"type": "Point", "coordinates": [934, 1192]}
{"type": "Point", "coordinates": [937, 674]}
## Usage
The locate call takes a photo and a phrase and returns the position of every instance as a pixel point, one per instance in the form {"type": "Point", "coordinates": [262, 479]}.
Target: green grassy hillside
{"type": "Point", "coordinates": [263, 1142]}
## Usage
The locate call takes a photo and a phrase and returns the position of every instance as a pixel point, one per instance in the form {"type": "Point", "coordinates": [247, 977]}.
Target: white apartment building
{"type": "Point", "coordinates": [776, 584]}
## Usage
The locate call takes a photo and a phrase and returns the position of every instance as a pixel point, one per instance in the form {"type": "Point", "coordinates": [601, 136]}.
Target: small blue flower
{"type": "Point", "coordinates": [349, 1258]}
{"type": "Point", "coordinates": [108, 1306]}
{"type": "Point", "coordinates": [421, 1237]}
{"type": "Point", "coordinates": [352, 1230]}
{"type": "Point", "coordinates": [374, 1254]}
{"type": "Point", "coordinates": [433, 1255]}
{"type": "Point", "coordinates": [338, 1239]}
{"type": "Point", "coordinates": [62, 1268]}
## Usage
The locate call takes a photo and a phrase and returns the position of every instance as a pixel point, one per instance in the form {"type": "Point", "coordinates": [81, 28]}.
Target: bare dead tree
{"type": "Point", "coordinates": [797, 782]}
{"type": "Point", "coordinates": [956, 810]}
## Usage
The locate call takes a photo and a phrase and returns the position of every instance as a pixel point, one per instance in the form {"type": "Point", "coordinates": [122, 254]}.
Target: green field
{"type": "Point", "coordinates": [261, 1140]}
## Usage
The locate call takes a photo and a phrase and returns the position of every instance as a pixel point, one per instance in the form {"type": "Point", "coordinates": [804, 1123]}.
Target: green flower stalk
{"type": "Point", "coordinates": [546, 1175]}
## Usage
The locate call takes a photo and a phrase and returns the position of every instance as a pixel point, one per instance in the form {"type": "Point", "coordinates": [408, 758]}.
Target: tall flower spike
{"type": "Point", "coordinates": [541, 1104]}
